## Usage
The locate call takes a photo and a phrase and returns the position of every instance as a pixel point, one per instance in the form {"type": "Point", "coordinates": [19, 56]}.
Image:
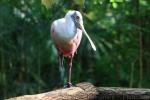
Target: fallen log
{"type": "Point", "coordinates": [87, 91]}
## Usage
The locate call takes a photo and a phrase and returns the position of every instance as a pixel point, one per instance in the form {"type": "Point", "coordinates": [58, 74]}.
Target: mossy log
{"type": "Point", "coordinates": [87, 91]}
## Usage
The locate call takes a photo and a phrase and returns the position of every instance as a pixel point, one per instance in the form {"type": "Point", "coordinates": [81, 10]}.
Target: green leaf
{"type": "Point", "coordinates": [115, 5]}
{"type": "Point", "coordinates": [48, 3]}
{"type": "Point", "coordinates": [79, 2]}
{"type": "Point", "coordinates": [116, 1]}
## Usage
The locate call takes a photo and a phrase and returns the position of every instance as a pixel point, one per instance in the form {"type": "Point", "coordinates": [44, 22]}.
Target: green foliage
{"type": "Point", "coordinates": [28, 58]}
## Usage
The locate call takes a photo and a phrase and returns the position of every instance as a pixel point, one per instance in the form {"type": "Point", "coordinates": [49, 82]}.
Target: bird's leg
{"type": "Point", "coordinates": [61, 68]}
{"type": "Point", "coordinates": [69, 84]}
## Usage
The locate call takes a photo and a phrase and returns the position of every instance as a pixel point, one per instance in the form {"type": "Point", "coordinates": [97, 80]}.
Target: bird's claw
{"type": "Point", "coordinates": [68, 85]}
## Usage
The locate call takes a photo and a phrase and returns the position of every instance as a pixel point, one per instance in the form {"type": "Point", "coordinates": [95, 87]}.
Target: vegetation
{"type": "Point", "coordinates": [28, 58]}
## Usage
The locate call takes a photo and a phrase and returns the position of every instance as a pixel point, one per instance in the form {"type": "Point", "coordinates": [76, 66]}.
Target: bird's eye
{"type": "Point", "coordinates": [77, 17]}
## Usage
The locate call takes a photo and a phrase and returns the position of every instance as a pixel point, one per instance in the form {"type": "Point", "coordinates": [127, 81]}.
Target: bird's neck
{"type": "Point", "coordinates": [71, 28]}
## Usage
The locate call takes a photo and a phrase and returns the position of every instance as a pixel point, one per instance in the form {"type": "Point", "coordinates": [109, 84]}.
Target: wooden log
{"type": "Point", "coordinates": [118, 93]}
{"type": "Point", "coordinates": [87, 91]}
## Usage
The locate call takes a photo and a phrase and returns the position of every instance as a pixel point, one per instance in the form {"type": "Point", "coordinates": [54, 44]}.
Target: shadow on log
{"type": "Point", "coordinates": [87, 91]}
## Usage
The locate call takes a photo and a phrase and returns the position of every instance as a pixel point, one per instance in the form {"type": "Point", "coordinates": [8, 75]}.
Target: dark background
{"type": "Point", "coordinates": [120, 30]}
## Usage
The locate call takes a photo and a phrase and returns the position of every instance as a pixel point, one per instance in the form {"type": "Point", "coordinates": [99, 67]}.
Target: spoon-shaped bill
{"type": "Point", "coordinates": [91, 42]}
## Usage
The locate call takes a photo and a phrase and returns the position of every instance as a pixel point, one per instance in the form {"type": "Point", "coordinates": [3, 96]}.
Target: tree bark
{"type": "Point", "coordinates": [87, 91]}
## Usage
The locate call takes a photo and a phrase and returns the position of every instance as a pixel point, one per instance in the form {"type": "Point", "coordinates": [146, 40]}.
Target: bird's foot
{"type": "Point", "coordinates": [68, 85]}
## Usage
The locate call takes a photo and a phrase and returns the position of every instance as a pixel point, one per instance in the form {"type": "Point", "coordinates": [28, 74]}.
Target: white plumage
{"type": "Point", "coordinates": [65, 27]}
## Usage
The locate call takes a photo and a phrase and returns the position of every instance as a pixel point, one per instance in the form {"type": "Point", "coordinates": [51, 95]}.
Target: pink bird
{"type": "Point", "coordinates": [66, 34]}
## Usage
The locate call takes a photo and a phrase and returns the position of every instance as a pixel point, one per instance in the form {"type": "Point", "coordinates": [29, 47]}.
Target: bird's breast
{"type": "Point", "coordinates": [69, 46]}
{"type": "Point", "coordinates": [65, 30]}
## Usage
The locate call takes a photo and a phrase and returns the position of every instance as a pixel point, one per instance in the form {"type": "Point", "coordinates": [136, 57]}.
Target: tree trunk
{"type": "Point", "coordinates": [86, 91]}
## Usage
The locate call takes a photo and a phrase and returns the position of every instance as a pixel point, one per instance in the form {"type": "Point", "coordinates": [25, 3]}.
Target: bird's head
{"type": "Point", "coordinates": [76, 17]}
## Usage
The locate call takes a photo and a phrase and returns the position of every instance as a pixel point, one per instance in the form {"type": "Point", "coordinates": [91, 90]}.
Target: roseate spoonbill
{"type": "Point", "coordinates": [66, 34]}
